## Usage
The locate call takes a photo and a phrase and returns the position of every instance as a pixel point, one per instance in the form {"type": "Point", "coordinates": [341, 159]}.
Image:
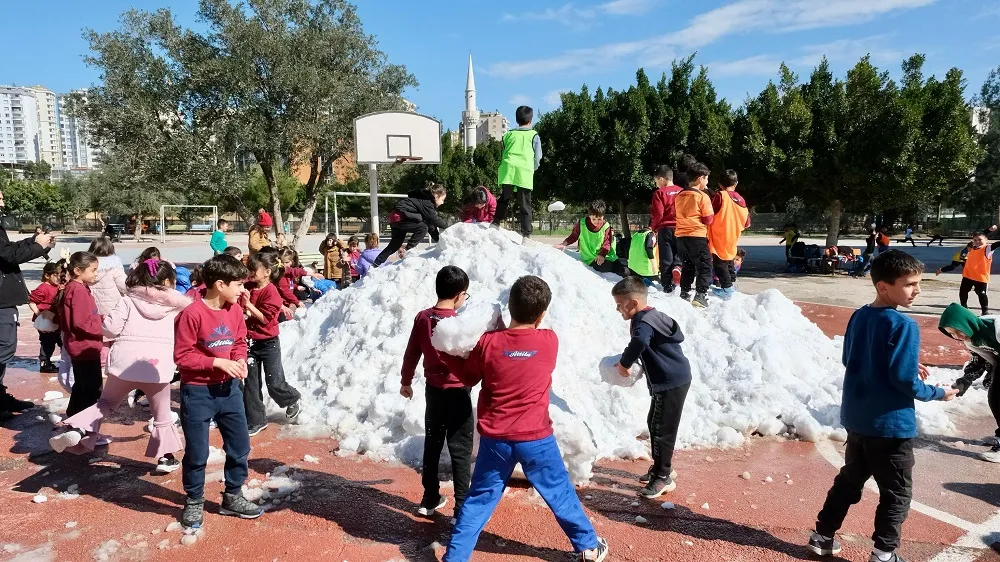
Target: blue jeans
{"type": "Point", "coordinates": [199, 405]}
{"type": "Point", "coordinates": [543, 467]}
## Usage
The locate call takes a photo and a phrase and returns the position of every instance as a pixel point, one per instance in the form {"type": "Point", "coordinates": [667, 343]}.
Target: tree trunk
{"type": "Point", "coordinates": [317, 179]}
{"type": "Point", "coordinates": [833, 229]}
{"type": "Point", "coordinates": [267, 168]}
{"type": "Point", "coordinates": [623, 214]}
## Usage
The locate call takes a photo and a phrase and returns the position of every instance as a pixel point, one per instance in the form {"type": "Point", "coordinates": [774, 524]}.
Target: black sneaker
{"type": "Point", "coordinates": [685, 295]}
{"type": "Point", "coordinates": [48, 367]}
{"type": "Point", "coordinates": [236, 504]}
{"type": "Point", "coordinates": [167, 465]}
{"type": "Point", "coordinates": [596, 554]}
{"type": "Point", "coordinates": [256, 429]}
{"type": "Point", "coordinates": [194, 513]}
{"type": "Point", "coordinates": [645, 478]}
{"type": "Point", "coordinates": [292, 411]}
{"type": "Point", "coordinates": [657, 487]}
{"type": "Point", "coordinates": [893, 558]}
{"type": "Point", "coordinates": [10, 404]}
{"type": "Point", "coordinates": [428, 507]}
{"type": "Point", "coordinates": [823, 546]}
{"type": "Point", "coordinates": [700, 301]}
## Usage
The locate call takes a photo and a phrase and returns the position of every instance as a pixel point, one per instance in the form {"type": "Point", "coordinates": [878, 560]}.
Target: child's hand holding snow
{"type": "Point", "coordinates": [611, 372]}
{"type": "Point", "coordinates": [622, 370]}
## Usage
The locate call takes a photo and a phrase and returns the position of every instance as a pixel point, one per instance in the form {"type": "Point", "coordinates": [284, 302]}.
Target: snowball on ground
{"type": "Point", "coordinates": [757, 363]}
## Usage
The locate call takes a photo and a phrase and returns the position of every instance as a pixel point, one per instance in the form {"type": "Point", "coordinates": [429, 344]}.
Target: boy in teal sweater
{"type": "Point", "coordinates": [218, 242]}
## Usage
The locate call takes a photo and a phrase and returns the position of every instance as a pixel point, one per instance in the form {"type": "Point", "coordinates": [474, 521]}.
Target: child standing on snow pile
{"type": "Point", "coordinates": [643, 260]}
{"type": "Point", "coordinates": [976, 271]}
{"type": "Point", "coordinates": [522, 154]}
{"type": "Point", "coordinates": [142, 329]}
{"type": "Point", "coordinates": [41, 302]}
{"type": "Point", "coordinates": [515, 368]}
{"type": "Point", "coordinates": [694, 214]}
{"type": "Point", "coordinates": [448, 413]}
{"type": "Point", "coordinates": [883, 377]}
{"type": "Point", "coordinates": [663, 221]}
{"type": "Point", "coordinates": [415, 216]}
{"type": "Point", "coordinates": [210, 350]}
{"type": "Point", "coordinates": [731, 218]}
{"type": "Point", "coordinates": [595, 238]}
{"type": "Point", "coordinates": [81, 322]}
{"type": "Point", "coordinates": [366, 259]}
{"type": "Point", "coordinates": [980, 336]}
{"type": "Point", "coordinates": [262, 304]}
{"type": "Point", "coordinates": [656, 345]}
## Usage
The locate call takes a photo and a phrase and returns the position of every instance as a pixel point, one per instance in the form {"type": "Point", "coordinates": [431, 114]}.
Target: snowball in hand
{"type": "Point", "coordinates": [459, 334]}
{"type": "Point", "coordinates": [610, 374]}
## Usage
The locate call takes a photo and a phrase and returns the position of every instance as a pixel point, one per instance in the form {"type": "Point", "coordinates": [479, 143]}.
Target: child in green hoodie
{"type": "Point", "coordinates": [980, 336]}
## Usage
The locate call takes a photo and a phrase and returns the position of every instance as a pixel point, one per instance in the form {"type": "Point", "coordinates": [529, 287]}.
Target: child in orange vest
{"type": "Point", "coordinates": [976, 272]}
{"type": "Point", "coordinates": [731, 218]}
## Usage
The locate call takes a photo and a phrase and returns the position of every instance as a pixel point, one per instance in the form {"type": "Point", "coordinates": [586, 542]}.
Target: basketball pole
{"type": "Point", "coordinates": [373, 183]}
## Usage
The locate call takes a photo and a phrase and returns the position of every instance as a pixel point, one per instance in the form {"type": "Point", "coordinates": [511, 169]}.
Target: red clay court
{"type": "Point", "coordinates": [349, 508]}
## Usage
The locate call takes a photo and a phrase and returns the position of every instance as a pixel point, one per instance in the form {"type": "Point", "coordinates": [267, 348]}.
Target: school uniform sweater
{"type": "Point", "coordinates": [81, 323]}
{"type": "Point", "coordinates": [436, 371]}
{"type": "Point", "coordinates": [202, 335]}
{"type": "Point", "coordinates": [268, 302]}
{"type": "Point", "coordinates": [656, 344]}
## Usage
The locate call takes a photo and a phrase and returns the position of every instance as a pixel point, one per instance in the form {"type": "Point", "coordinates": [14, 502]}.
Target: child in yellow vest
{"type": "Point", "coordinates": [595, 238]}
{"type": "Point", "coordinates": [731, 218]}
{"type": "Point", "coordinates": [522, 153]}
{"type": "Point", "coordinates": [643, 256]}
{"type": "Point", "coordinates": [976, 272]}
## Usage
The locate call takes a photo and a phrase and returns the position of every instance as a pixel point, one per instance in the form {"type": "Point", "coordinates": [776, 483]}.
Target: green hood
{"type": "Point", "coordinates": [982, 332]}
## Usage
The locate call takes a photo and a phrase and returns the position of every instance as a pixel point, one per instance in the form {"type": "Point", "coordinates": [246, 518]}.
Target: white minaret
{"type": "Point", "coordinates": [470, 117]}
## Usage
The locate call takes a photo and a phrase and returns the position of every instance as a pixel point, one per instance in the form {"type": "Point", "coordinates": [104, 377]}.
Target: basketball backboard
{"type": "Point", "coordinates": [387, 137]}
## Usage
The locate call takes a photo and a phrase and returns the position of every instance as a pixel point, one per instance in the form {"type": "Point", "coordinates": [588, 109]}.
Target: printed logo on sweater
{"type": "Point", "coordinates": [220, 337]}
{"type": "Point", "coordinates": [518, 355]}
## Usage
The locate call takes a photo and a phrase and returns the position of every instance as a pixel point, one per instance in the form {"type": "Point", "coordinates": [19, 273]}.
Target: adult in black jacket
{"type": "Point", "coordinates": [12, 294]}
{"type": "Point", "coordinates": [414, 216]}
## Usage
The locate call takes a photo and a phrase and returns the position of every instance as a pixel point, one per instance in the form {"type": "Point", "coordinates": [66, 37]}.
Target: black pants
{"type": "Point", "coordinates": [725, 270]}
{"type": "Point", "coordinates": [669, 257]}
{"type": "Point", "coordinates": [697, 263]}
{"type": "Point", "coordinates": [87, 384]}
{"type": "Point", "coordinates": [8, 341]}
{"type": "Point", "coordinates": [200, 404]}
{"type": "Point", "coordinates": [937, 237]}
{"type": "Point", "coordinates": [980, 287]}
{"type": "Point", "coordinates": [415, 230]}
{"type": "Point", "coordinates": [609, 266]}
{"type": "Point", "coordinates": [48, 341]}
{"type": "Point", "coordinates": [447, 417]}
{"type": "Point", "coordinates": [265, 355]}
{"type": "Point", "coordinates": [910, 240]}
{"type": "Point", "coordinates": [890, 462]}
{"type": "Point", "coordinates": [524, 202]}
{"type": "Point", "coordinates": [664, 416]}
{"type": "Point", "coordinates": [993, 399]}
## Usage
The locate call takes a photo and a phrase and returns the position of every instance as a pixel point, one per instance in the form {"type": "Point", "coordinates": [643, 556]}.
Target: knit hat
{"type": "Point", "coordinates": [264, 220]}
{"type": "Point", "coordinates": [981, 331]}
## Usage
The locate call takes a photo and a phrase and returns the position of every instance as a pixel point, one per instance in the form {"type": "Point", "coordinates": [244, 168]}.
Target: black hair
{"type": "Point", "coordinates": [893, 264]}
{"type": "Point", "coordinates": [476, 196]}
{"type": "Point", "coordinates": [267, 261]}
{"type": "Point", "coordinates": [150, 253]}
{"type": "Point", "coordinates": [451, 281]}
{"type": "Point", "coordinates": [696, 171]}
{"type": "Point", "coordinates": [52, 268]}
{"type": "Point", "coordinates": [630, 286]}
{"type": "Point", "coordinates": [665, 172]}
{"type": "Point", "coordinates": [219, 223]}
{"type": "Point", "coordinates": [597, 208]}
{"type": "Point", "coordinates": [529, 299]}
{"type": "Point", "coordinates": [101, 247]}
{"type": "Point", "coordinates": [524, 115]}
{"type": "Point", "coordinates": [741, 252]}
{"type": "Point", "coordinates": [232, 251]}
{"type": "Point", "coordinates": [79, 260]}
{"type": "Point", "coordinates": [142, 275]}
{"type": "Point", "coordinates": [195, 276]}
{"type": "Point", "coordinates": [729, 179]}
{"type": "Point", "coordinates": [223, 268]}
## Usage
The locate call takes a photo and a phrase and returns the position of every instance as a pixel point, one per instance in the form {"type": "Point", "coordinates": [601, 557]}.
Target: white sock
{"type": "Point", "coordinates": [882, 555]}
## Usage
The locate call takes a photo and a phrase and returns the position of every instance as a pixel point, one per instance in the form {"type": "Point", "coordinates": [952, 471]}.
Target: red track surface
{"type": "Point", "coordinates": [359, 510]}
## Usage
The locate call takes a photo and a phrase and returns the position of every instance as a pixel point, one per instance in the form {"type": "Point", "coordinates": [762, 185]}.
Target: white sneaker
{"type": "Point", "coordinates": [993, 455]}
{"type": "Point", "coordinates": [427, 510]}
{"type": "Point", "coordinates": [595, 554]}
{"type": "Point", "coordinates": [65, 440]}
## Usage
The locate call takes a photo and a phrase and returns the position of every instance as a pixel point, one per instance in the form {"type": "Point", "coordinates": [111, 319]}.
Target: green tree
{"type": "Point", "coordinates": [40, 170]}
{"type": "Point", "coordinates": [982, 193]}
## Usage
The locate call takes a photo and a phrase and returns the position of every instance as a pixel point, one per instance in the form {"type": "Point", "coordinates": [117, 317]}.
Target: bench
{"type": "Point", "coordinates": [307, 259]}
{"type": "Point", "coordinates": [177, 228]}
{"type": "Point", "coordinates": [201, 228]}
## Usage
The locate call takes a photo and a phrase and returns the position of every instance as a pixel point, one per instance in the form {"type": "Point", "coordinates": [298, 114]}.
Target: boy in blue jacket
{"type": "Point", "coordinates": [656, 345]}
{"type": "Point", "coordinates": [883, 376]}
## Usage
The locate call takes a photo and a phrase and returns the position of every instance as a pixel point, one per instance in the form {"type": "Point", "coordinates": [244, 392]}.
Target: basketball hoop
{"type": "Point", "coordinates": [404, 159]}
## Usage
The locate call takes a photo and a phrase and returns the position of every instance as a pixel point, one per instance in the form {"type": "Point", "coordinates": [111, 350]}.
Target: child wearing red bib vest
{"type": "Point", "coordinates": [976, 272]}
{"type": "Point", "coordinates": [731, 218]}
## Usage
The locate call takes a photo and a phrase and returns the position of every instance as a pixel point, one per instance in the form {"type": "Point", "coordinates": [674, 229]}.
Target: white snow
{"type": "Point", "coordinates": [705, 506]}
{"type": "Point", "coordinates": [174, 526]}
{"type": "Point", "coordinates": [758, 364]}
{"type": "Point", "coordinates": [52, 395]}
{"type": "Point", "coordinates": [106, 550]}
{"type": "Point", "coordinates": [278, 486]}
{"type": "Point", "coordinates": [39, 499]}
{"type": "Point", "coordinates": [310, 458]}
{"type": "Point", "coordinates": [610, 374]}
{"type": "Point", "coordinates": [745, 476]}
{"type": "Point", "coordinates": [667, 505]}
{"type": "Point", "coordinates": [640, 519]}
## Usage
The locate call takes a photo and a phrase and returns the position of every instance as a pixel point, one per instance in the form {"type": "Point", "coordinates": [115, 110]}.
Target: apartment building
{"type": "Point", "coordinates": [18, 125]}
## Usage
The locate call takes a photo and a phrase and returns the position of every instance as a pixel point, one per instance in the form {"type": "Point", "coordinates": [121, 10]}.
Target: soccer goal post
{"type": "Point", "coordinates": [200, 227]}
{"type": "Point", "coordinates": [336, 219]}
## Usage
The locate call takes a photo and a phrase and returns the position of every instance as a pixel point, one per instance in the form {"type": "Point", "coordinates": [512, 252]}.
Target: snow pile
{"type": "Point", "coordinates": [757, 362]}
{"type": "Point", "coordinates": [276, 488]}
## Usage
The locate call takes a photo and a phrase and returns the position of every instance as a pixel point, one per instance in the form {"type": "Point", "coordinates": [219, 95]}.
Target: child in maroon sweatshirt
{"type": "Point", "coordinates": [210, 351]}
{"type": "Point", "coordinates": [263, 305]}
{"type": "Point", "coordinates": [42, 303]}
{"type": "Point", "coordinates": [515, 368]}
{"type": "Point", "coordinates": [79, 320]}
{"type": "Point", "coordinates": [448, 413]}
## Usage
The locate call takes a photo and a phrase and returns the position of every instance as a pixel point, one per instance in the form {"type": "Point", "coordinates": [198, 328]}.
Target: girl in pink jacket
{"type": "Point", "coordinates": [141, 358]}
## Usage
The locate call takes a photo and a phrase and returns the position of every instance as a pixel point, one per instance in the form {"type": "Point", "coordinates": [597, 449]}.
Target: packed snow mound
{"type": "Point", "coordinates": [757, 362]}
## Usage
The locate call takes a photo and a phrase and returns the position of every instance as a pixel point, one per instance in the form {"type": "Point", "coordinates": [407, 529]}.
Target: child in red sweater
{"type": "Point", "coordinates": [41, 301]}
{"type": "Point", "coordinates": [79, 320]}
{"type": "Point", "coordinates": [448, 413]}
{"type": "Point", "coordinates": [262, 304]}
{"type": "Point", "coordinates": [210, 351]}
{"type": "Point", "coordinates": [515, 368]}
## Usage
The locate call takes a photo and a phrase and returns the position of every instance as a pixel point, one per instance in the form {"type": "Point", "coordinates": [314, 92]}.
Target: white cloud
{"type": "Point", "coordinates": [627, 7]}
{"type": "Point", "coordinates": [840, 51]}
{"type": "Point", "coordinates": [519, 99]}
{"type": "Point", "coordinates": [760, 65]}
{"type": "Point", "coordinates": [738, 17]}
{"type": "Point", "coordinates": [580, 18]}
{"type": "Point", "coordinates": [552, 98]}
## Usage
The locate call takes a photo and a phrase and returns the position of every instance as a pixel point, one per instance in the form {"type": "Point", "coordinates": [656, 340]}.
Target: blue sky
{"type": "Point", "coordinates": [527, 51]}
